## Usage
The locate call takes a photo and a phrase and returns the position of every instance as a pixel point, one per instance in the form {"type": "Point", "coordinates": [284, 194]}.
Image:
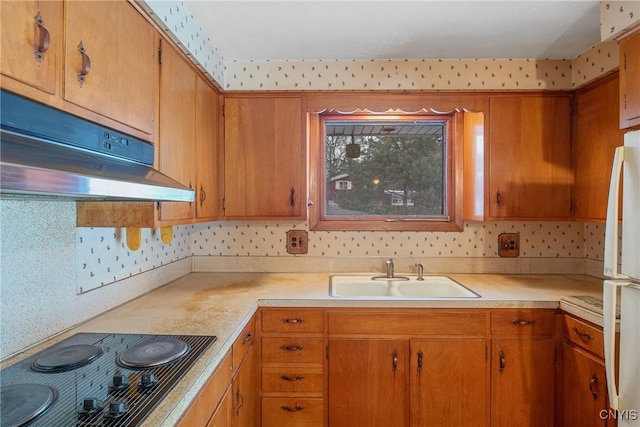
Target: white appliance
{"type": "Point", "coordinates": [624, 388]}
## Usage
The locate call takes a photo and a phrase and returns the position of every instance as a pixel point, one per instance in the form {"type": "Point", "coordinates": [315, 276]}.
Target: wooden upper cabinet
{"type": "Point", "coordinates": [530, 172]}
{"type": "Point", "coordinates": [597, 134]}
{"type": "Point", "coordinates": [630, 81]}
{"type": "Point", "coordinates": [31, 38]}
{"type": "Point", "coordinates": [208, 149]}
{"type": "Point", "coordinates": [176, 151]}
{"type": "Point", "coordinates": [265, 163]}
{"type": "Point", "coordinates": [111, 63]}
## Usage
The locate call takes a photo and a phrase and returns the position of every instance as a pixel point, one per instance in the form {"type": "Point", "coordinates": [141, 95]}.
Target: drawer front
{"type": "Point", "coordinates": [292, 350]}
{"type": "Point", "coordinates": [292, 380]}
{"type": "Point", "coordinates": [523, 322]}
{"type": "Point", "coordinates": [412, 324]}
{"type": "Point", "coordinates": [291, 412]}
{"type": "Point", "coordinates": [583, 335]}
{"type": "Point", "coordinates": [244, 342]}
{"type": "Point", "coordinates": [293, 321]}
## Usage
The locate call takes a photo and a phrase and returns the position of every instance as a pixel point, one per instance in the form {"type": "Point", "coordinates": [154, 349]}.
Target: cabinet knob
{"type": "Point", "coordinates": [523, 322]}
{"type": "Point", "coordinates": [502, 361]}
{"type": "Point", "coordinates": [295, 320]}
{"type": "Point", "coordinates": [585, 336]}
{"type": "Point", "coordinates": [420, 360]}
{"type": "Point", "coordinates": [296, 408]}
{"type": "Point", "coordinates": [284, 377]}
{"type": "Point", "coordinates": [292, 199]}
{"type": "Point", "coordinates": [294, 347]}
{"type": "Point", "coordinates": [593, 387]}
{"type": "Point", "coordinates": [394, 360]}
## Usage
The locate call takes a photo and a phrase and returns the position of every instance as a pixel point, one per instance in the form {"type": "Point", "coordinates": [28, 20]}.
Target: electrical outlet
{"type": "Point", "coordinates": [297, 242]}
{"type": "Point", "coordinates": [509, 245]}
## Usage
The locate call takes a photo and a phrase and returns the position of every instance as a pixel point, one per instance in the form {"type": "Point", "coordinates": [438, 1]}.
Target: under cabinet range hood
{"type": "Point", "coordinates": [47, 152]}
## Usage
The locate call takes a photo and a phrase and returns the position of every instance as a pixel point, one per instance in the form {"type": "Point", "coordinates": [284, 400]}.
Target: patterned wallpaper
{"type": "Point", "coordinates": [478, 239]}
{"type": "Point", "coordinates": [178, 22]}
{"type": "Point", "coordinates": [103, 256]}
{"type": "Point", "coordinates": [427, 74]}
{"type": "Point", "coordinates": [616, 16]}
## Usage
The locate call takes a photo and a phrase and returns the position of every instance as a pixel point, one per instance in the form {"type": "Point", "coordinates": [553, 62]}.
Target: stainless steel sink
{"type": "Point", "coordinates": [376, 287]}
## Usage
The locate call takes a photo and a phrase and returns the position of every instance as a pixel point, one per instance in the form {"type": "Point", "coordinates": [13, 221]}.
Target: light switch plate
{"type": "Point", "coordinates": [509, 245]}
{"type": "Point", "coordinates": [297, 242]}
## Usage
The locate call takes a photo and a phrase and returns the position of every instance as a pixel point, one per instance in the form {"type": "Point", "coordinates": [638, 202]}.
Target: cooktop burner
{"type": "Point", "coordinates": [66, 358]}
{"type": "Point", "coordinates": [153, 353]}
{"type": "Point", "coordinates": [22, 403]}
{"type": "Point", "coordinates": [96, 379]}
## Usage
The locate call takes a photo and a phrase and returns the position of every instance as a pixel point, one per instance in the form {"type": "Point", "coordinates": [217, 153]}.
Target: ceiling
{"type": "Point", "coordinates": [427, 29]}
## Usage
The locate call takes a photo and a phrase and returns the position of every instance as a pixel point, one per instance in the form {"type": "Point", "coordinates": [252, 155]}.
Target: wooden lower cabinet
{"type": "Point", "coordinates": [367, 382]}
{"type": "Point", "coordinates": [245, 392]}
{"type": "Point", "coordinates": [448, 382]}
{"type": "Point", "coordinates": [223, 416]}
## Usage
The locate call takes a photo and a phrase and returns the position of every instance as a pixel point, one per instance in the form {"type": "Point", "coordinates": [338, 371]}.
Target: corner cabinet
{"type": "Point", "coordinates": [265, 158]}
{"type": "Point", "coordinates": [530, 174]}
{"type": "Point", "coordinates": [597, 135]}
{"type": "Point", "coordinates": [630, 81]}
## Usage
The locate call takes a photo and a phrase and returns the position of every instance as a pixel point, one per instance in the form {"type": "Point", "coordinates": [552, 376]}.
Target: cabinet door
{"type": "Point", "coordinates": [222, 417]}
{"type": "Point", "coordinates": [448, 380]}
{"type": "Point", "coordinates": [245, 392]}
{"type": "Point", "coordinates": [264, 158]}
{"type": "Point", "coordinates": [597, 135]}
{"type": "Point", "coordinates": [584, 396]}
{"type": "Point", "coordinates": [367, 382]}
{"type": "Point", "coordinates": [176, 153]}
{"type": "Point", "coordinates": [208, 167]}
{"type": "Point", "coordinates": [522, 382]}
{"type": "Point", "coordinates": [31, 41]}
{"type": "Point", "coordinates": [630, 81]}
{"type": "Point", "coordinates": [530, 171]}
{"type": "Point", "coordinates": [116, 74]}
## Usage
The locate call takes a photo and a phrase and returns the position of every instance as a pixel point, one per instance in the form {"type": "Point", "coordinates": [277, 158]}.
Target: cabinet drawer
{"type": "Point", "coordinates": [292, 350]}
{"type": "Point", "coordinates": [523, 322]}
{"type": "Point", "coordinates": [292, 380]}
{"type": "Point", "coordinates": [243, 343]}
{"type": "Point", "coordinates": [413, 324]}
{"type": "Point", "coordinates": [295, 321]}
{"type": "Point", "coordinates": [291, 412]}
{"type": "Point", "coordinates": [583, 335]}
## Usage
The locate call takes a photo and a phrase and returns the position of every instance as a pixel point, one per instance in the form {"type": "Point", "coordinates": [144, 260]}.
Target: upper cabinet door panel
{"type": "Point", "coordinates": [265, 165]}
{"type": "Point", "coordinates": [110, 65]}
{"type": "Point", "coordinates": [31, 41]}
{"type": "Point", "coordinates": [530, 171]}
{"type": "Point", "coordinates": [630, 81]}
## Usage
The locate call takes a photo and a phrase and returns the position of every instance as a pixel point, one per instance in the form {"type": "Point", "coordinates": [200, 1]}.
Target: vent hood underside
{"type": "Point", "coordinates": [35, 167]}
{"type": "Point", "coordinates": [48, 152]}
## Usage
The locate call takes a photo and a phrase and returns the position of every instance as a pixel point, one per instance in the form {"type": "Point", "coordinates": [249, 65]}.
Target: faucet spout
{"type": "Point", "coordinates": [389, 265]}
{"type": "Point", "coordinates": [420, 271]}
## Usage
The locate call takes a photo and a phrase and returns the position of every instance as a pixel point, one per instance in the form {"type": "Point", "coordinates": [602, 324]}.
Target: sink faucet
{"type": "Point", "coordinates": [420, 271]}
{"type": "Point", "coordinates": [389, 264]}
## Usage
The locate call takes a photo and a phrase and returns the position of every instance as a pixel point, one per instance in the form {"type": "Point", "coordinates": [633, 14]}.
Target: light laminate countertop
{"type": "Point", "coordinates": [221, 303]}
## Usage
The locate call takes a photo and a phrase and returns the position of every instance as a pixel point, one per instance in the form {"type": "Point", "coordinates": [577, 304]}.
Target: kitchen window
{"type": "Point", "coordinates": [385, 172]}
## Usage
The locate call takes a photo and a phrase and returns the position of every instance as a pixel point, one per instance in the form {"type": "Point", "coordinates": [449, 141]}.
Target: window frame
{"type": "Point", "coordinates": [318, 221]}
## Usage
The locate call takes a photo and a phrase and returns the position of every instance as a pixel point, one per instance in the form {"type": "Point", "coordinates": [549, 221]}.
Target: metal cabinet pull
{"type": "Point", "coordinates": [294, 347]}
{"type": "Point", "coordinates": [395, 360]}
{"type": "Point", "coordinates": [284, 377]}
{"type": "Point", "coordinates": [593, 387]}
{"type": "Point", "coordinates": [44, 39]}
{"type": "Point", "coordinates": [292, 200]}
{"type": "Point", "coordinates": [296, 408]}
{"type": "Point", "coordinates": [498, 198]}
{"type": "Point", "coordinates": [503, 361]}
{"type": "Point", "coordinates": [203, 195]}
{"type": "Point", "coordinates": [420, 357]}
{"type": "Point", "coordinates": [247, 338]}
{"type": "Point", "coordinates": [523, 322]}
{"type": "Point", "coordinates": [296, 320]}
{"type": "Point", "coordinates": [86, 64]}
{"type": "Point", "coordinates": [586, 336]}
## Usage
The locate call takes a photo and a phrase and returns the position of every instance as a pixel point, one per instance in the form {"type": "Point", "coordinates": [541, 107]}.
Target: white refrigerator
{"type": "Point", "coordinates": [623, 366]}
